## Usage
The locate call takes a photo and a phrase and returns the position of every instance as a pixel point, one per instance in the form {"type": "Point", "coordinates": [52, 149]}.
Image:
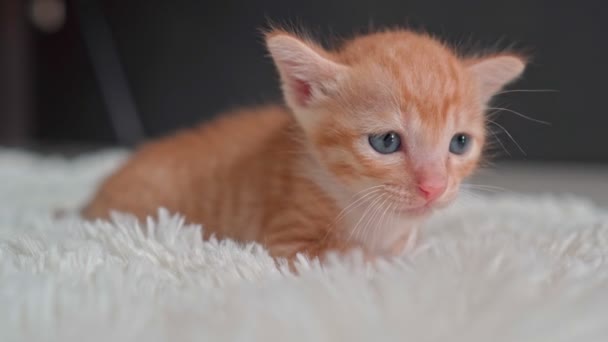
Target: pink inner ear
{"type": "Point", "coordinates": [301, 91]}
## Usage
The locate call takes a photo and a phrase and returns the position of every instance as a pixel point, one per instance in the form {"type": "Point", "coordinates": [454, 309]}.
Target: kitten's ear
{"type": "Point", "coordinates": [494, 72]}
{"type": "Point", "coordinates": [306, 71]}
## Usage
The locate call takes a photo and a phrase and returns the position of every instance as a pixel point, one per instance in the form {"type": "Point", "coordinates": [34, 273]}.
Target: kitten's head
{"type": "Point", "coordinates": [397, 112]}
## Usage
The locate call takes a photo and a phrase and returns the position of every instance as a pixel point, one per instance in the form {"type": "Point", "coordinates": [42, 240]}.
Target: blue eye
{"type": "Point", "coordinates": [385, 143]}
{"type": "Point", "coordinates": [460, 143]}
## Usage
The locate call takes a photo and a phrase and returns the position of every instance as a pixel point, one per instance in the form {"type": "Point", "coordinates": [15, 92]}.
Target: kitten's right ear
{"type": "Point", "coordinates": [306, 71]}
{"type": "Point", "coordinates": [494, 72]}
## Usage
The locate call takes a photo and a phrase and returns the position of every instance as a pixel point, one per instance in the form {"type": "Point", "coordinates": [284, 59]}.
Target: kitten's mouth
{"type": "Point", "coordinates": [420, 207]}
{"type": "Point", "coordinates": [407, 209]}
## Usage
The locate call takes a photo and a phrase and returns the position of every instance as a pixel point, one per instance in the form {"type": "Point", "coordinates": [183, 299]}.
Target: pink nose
{"type": "Point", "coordinates": [431, 190]}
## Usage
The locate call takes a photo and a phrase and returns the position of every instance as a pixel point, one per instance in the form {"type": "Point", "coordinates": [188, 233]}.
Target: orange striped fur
{"type": "Point", "coordinates": [303, 178]}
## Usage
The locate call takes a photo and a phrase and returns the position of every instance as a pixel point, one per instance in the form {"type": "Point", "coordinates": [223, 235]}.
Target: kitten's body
{"type": "Point", "coordinates": [260, 182]}
{"type": "Point", "coordinates": [304, 178]}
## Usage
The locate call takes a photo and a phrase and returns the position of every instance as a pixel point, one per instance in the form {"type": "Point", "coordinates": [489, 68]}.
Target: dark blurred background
{"type": "Point", "coordinates": [63, 62]}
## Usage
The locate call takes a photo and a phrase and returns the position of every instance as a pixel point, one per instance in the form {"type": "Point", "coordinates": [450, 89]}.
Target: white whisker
{"type": "Point", "coordinates": [500, 143]}
{"type": "Point", "coordinates": [377, 197]}
{"type": "Point", "coordinates": [364, 228]}
{"type": "Point", "coordinates": [483, 187]}
{"type": "Point", "coordinates": [373, 217]}
{"type": "Point", "coordinates": [368, 195]}
{"type": "Point", "coordinates": [509, 135]}
{"type": "Point", "coordinates": [520, 115]}
{"type": "Point", "coordinates": [381, 225]}
{"type": "Point", "coordinates": [344, 211]}
{"type": "Point", "coordinates": [465, 193]}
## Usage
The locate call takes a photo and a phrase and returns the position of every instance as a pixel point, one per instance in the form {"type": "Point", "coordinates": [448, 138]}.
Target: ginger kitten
{"type": "Point", "coordinates": [376, 134]}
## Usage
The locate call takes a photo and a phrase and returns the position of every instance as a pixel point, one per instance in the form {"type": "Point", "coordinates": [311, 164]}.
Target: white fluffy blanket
{"type": "Point", "coordinates": [503, 269]}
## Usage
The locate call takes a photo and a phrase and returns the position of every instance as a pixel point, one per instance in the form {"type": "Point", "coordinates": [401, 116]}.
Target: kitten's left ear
{"type": "Point", "coordinates": [494, 72]}
{"type": "Point", "coordinates": [307, 71]}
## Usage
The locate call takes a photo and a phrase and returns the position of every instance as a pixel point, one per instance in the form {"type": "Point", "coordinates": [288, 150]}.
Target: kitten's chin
{"type": "Point", "coordinates": [423, 210]}
{"type": "Point", "coordinates": [420, 211]}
